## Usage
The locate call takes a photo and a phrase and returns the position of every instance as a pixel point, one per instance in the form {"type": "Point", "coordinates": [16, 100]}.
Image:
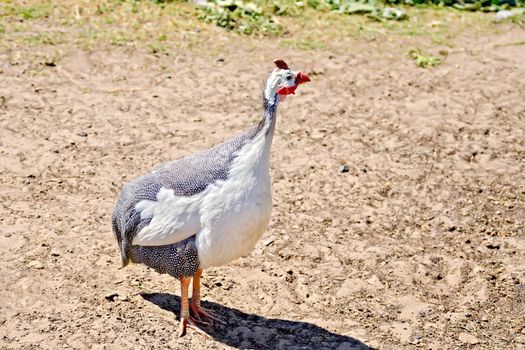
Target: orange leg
{"type": "Point", "coordinates": [195, 305]}
{"type": "Point", "coordinates": [185, 319]}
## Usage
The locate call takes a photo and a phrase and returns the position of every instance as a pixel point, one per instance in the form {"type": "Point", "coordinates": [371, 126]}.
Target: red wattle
{"type": "Point", "coordinates": [287, 90]}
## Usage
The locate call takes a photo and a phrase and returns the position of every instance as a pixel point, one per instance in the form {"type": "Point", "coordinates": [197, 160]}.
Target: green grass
{"type": "Point", "coordinates": [424, 60]}
{"type": "Point", "coordinates": [243, 17]}
{"type": "Point", "coordinates": [51, 38]}
{"type": "Point", "coordinates": [23, 12]}
{"type": "Point", "coordinates": [161, 26]}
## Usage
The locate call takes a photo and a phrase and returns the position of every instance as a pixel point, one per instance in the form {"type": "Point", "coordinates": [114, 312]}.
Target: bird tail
{"type": "Point", "coordinates": [124, 253]}
{"type": "Point", "coordinates": [123, 243]}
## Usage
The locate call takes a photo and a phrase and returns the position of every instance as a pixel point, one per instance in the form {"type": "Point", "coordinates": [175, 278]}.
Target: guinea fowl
{"type": "Point", "coordinates": [206, 209]}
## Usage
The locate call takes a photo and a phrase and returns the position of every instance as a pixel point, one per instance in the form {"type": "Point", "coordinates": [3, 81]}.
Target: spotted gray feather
{"type": "Point", "coordinates": [179, 259]}
{"type": "Point", "coordinates": [186, 177]}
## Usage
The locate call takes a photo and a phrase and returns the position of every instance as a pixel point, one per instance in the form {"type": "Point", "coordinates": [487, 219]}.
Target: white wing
{"type": "Point", "coordinates": [172, 218]}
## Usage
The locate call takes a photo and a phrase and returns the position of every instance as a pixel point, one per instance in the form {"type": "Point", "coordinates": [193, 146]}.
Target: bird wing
{"type": "Point", "coordinates": [170, 218]}
{"type": "Point", "coordinates": [163, 206]}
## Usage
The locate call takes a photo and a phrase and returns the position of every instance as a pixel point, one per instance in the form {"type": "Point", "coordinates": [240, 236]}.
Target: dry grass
{"type": "Point", "coordinates": [158, 27]}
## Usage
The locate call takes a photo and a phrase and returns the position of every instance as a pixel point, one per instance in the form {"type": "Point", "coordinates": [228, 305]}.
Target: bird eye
{"type": "Point", "coordinates": [288, 77]}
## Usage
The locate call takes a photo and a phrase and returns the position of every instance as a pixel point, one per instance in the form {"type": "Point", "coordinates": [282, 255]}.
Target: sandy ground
{"type": "Point", "coordinates": [421, 244]}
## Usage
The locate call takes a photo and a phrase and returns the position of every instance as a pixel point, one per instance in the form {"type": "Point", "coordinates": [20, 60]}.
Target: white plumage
{"type": "Point", "coordinates": [228, 217]}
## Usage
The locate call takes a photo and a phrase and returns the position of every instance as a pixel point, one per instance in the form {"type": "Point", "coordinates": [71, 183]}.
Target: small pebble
{"type": "Point", "coordinates": [344, 168]}
{"type": "Point", "coordinates": [493, 246]}
{"type": "Point", "coordinates": [82, 134]}
{"type": "Point", "coordinates": [35, 264]}
{"type": "Point", "coordinates": [268, 241]}
{"type": "Point", "coordinates": [111, 296]}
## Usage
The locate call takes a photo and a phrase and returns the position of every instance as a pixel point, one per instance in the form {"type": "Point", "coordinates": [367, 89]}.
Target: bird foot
{"type": "Point", "coordinates": [191, 323]}
{"type": "Point", "coordinates": [200, 312]}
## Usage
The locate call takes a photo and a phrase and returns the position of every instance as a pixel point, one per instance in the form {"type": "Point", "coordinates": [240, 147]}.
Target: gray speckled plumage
{"type": "Point", "coordinates": [179, 259]}
{"type": "Point", "coordinates": [186, 177]}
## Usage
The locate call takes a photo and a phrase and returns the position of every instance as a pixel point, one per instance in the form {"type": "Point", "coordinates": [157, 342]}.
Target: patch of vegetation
{"type": "Point", "coordinates": [121, 39]}
{"type": "Point", "coordinates": [259, 16]}
{"type": "Point", "coordinates": [163, 25]}
{"type": "Point", "coordinates": [469, 5]}
{"type": "Point", "coordinates": [50, 38]}
{"type": "Point", "coordinates": [27, 13]}
{"type": "Point", "coordinates": [424, 60]}
{"type": "Point", "coordinates": [245, 18]}
{"type": "Point", "coordinates": [518, 16]}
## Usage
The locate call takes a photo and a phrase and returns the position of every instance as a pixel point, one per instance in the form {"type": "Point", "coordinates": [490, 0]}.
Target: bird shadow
{"type": "Point", "coordinates": [249, 331]}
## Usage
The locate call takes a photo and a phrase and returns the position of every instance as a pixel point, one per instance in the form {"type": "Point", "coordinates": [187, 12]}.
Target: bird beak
{"type": "Point", "coordinates": [301, 78]}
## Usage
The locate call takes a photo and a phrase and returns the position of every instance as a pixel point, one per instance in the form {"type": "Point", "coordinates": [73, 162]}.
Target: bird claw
{"type": "Point", "coordinates": [199, 320]}
{"type": "Point", "coordinates": [200, 311]}
{"type": "Point", "coordinates": [190, 323]}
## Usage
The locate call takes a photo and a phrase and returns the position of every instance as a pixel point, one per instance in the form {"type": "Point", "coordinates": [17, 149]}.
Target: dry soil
{"type": "Point", "coordinates": [419, 245]}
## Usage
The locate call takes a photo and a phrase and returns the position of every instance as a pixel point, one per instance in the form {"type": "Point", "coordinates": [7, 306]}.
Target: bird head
{"type": "Point", "coordinates": [283, 81]}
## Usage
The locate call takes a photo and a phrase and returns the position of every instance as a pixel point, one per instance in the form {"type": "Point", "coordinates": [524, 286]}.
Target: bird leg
{"type": "Point", "coordinates": [195, 305]}
{"type": "Point", "coordinates": [185, 319]}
